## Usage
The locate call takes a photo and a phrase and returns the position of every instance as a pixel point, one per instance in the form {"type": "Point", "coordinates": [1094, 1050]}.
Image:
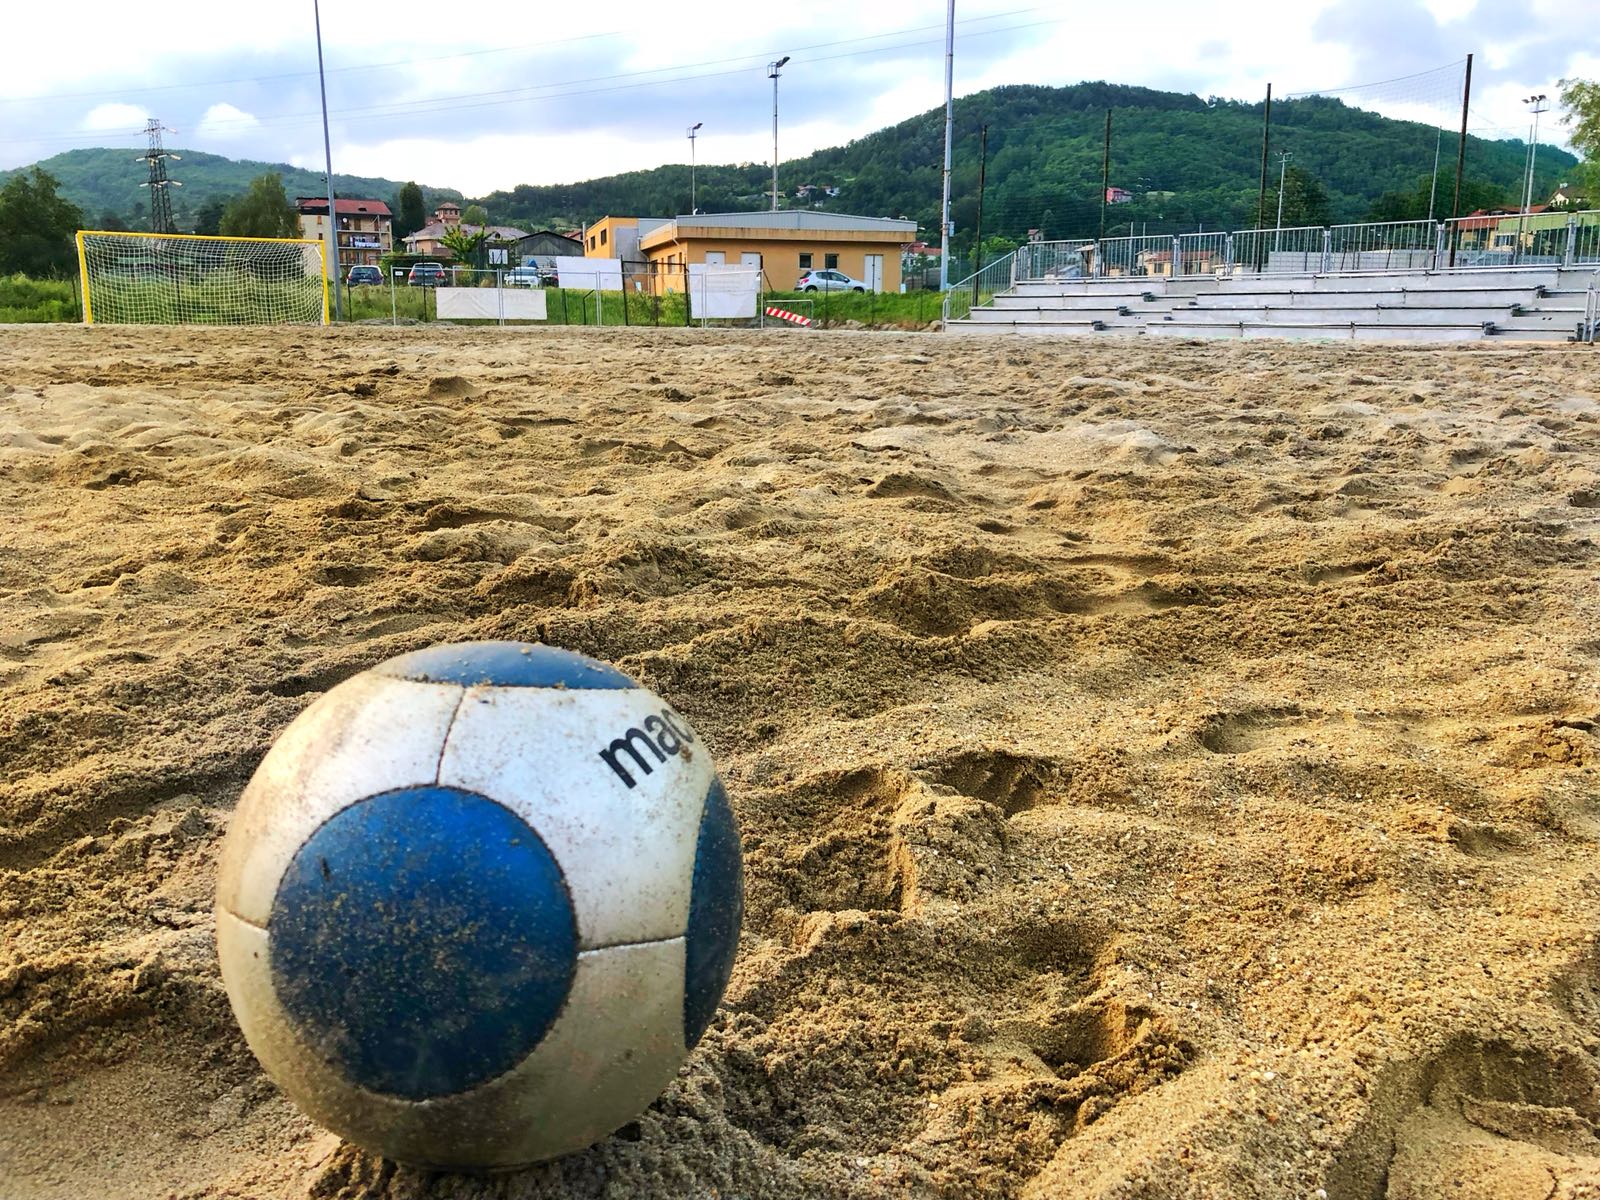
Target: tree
{"type": "Point", "coordinates": [475, 214]}
{"type": "Point", "coordinates": [1305, 200]}
{"type": "Point", "coordinates": [1581, 99]}
{"type": "Point", "coordinates": [410, 215]}
{"type": "Point", "coordinates": [37, 227]}
{"type": "Point", "coordinates": [465, 247]}
{"type": "Point", "coordinates": [1412, 204]}
{"type": "Point", "coordinates": [109, 221]}
{"type": "Point", "coordinates": [208, 222]}
{"type": "Point", "coordinates": [264, 211]}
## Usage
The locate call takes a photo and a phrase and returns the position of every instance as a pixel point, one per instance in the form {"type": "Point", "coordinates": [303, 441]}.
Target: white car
{"type": "Point", "coordinates": [828, 281]}
{"type": "Point", "coordinates": [529, 276]}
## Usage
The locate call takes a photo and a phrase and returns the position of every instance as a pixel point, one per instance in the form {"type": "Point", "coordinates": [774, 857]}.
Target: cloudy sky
{"type": "Point", "coordinates": [494, 94]}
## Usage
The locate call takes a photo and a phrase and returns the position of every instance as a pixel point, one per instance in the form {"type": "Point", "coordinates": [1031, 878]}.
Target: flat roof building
{"type": "Point", "coordinates": [781, 244]}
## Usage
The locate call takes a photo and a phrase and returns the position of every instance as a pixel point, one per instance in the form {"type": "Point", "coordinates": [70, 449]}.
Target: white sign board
{"type": "Point", "coordinates": [717, 292]}
{"type": "Point", "coordinates": [490, 304]}
{"type": "Point", "coordinates": [594, 274]}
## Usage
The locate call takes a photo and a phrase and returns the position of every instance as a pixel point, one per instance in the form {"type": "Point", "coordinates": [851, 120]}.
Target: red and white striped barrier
{"type": "Point", "coordinates": [783, 314]}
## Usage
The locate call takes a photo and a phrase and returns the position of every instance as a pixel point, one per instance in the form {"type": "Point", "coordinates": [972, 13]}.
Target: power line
{"type": "Point", "coordinates": [412, 62]}
{"type": "Point", "coordinates": [505, 96]}
{"type": "Point", "coordinates": [205, 83]}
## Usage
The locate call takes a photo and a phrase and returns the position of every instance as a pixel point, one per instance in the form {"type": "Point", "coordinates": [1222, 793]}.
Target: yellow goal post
{"type": "Point", "coordinates": [194, 279]}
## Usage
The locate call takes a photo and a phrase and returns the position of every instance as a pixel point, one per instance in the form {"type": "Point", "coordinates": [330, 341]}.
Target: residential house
{"type": "Point", "coordinates": [1116, 195]}
{"type": "Point", "coordinates": [429, 240]}
{"type": "Point", "coordinates": [365, 228]}
{"type": "Point", "coordinates": [781, 244]}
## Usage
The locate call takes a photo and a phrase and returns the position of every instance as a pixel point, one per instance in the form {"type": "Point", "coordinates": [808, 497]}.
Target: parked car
{"type": "Point", "coordinates": [828, 281]}
{"type": "Point", "coordinates": [360, 275]}
{"type": "Point", "coordinates": [427, 275]}
{"type": "Point", "coordinates": [529, 276]}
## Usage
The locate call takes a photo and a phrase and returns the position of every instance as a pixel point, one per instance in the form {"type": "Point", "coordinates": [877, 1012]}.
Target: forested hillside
{"type": "Point", "coordinates": [106, 182]}
{"type": "Point", "coordinates": [1190, 161]}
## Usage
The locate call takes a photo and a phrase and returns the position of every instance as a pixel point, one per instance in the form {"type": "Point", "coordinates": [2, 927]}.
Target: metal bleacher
{"type": "Point", "coordinates": [1543, 301]}
{"type": "Point", "coordinates": [1522, 304]}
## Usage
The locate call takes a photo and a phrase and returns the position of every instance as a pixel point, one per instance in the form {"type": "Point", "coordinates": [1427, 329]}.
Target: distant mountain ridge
{"type": "Point", "coordinates": [103, 181]}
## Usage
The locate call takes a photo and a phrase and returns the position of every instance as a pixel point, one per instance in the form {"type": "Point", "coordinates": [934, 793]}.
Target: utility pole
{"type": "Point", "coordinates": [327, 149]}
{"type": "Point", "coordinates": [983, 170]}
{"type": "Point", "coordinates": [1261, 196]}
{"type": "Point", "coordinates": [1105, 177]}
{"type": "Point", "coordinates": [773, 70]}
{"type": "Point", "coordinates": [160, 186]}
{"type": "Point", "coordinates": [1461, 157]}
{"type": "Point", "coordinates": [693, 130]}
{"type": "Point", "coordinates": [1283, 166]}
{"type": "Point", "coordinates": [949, 129]}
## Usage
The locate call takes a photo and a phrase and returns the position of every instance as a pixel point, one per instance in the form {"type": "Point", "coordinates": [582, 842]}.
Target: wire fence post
{"type": "Point", "coordinates": [1438, 244]}
{"type": "Point", "coordinates": [1569, 251]}
{"type": "Point", "coordinates": [1327, 252]}
{"type": "Point", "coordinates": [1227, 254]}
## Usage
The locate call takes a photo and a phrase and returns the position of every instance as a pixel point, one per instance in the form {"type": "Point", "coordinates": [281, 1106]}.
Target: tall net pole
{"type": "Point", "coordinates": [327, 149]}
{"type": "Point", "coordinates": [949, 129]}
{"type": "Point", "coordinates": [1261, 195]}
{"type": "Point", "coordinates": [160, 186]}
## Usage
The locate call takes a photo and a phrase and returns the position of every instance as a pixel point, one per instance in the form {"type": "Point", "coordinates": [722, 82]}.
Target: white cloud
{"type": "Point", "coordinates": [119, 118]}
{"type": "Point", "coordinates": [600, 102]}
{"type": "Point", "coordinates": [224, 122]}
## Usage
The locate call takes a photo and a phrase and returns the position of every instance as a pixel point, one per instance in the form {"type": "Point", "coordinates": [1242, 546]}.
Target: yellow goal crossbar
{"type": "Point", "coordinates": [83, 258]}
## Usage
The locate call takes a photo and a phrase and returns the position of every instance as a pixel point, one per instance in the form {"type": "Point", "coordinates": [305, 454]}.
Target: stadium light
{"type": "Point", "coordinates": [772, 74]}
{"type": "Point", "coordinates": [1536, 104]}
{"type": "Point", "coordinates": [693, 130]}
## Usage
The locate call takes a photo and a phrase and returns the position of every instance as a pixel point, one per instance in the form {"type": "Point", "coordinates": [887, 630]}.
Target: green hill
{"type": "Point", "coordinates": [103, 181]}
{"type": "Point", "coordinates": [1200, 158]}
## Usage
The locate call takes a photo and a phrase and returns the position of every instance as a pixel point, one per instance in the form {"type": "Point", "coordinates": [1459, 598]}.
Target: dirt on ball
{"type": "Point", "coordinates": [1165, 769]}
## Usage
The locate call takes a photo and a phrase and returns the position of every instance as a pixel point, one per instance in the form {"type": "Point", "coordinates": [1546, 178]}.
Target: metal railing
{"type": "Point", "coordinates": [1505, 240]}
{"type": "Point", "coordinates": [980, 288]}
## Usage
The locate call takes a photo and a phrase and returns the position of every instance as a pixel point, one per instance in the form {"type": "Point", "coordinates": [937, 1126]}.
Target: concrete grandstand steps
{"type": "Point", "coordinates": [1324, 331]}
{"type": "Point", "coordinates": [1543, 303]}
{"type": "Point", "coordinates": [1343, 314]}
{"type": "Point", "coordinates": [1497, 298]}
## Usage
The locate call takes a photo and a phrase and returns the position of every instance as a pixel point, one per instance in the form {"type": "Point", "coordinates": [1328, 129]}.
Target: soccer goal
{"type": "Point", "coordinates": [187, 279]}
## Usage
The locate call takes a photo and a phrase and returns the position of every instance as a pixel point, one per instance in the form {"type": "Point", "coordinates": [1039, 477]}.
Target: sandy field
{"type": "Point", "coordinates": [1165, 770]}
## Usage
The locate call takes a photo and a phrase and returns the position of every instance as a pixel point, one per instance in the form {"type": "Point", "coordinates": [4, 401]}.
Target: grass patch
{"type": "Point", "coordinates": [31, 301]}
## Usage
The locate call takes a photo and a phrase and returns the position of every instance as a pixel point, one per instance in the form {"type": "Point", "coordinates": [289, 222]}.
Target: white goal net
{"type": "Point", "coordinates": [184, 279]}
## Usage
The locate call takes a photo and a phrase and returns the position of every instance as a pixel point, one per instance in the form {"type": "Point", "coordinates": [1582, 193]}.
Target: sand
{"type": "Point", "coordinates": [1165, 770]}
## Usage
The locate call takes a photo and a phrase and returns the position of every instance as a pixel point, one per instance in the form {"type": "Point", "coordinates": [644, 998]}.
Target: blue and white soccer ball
{"type": "Point", "coordinates": [478, 903]}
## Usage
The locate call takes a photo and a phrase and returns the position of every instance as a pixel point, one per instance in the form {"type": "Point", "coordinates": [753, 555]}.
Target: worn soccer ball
{"type": "Point", "coordinates": [478, 903]}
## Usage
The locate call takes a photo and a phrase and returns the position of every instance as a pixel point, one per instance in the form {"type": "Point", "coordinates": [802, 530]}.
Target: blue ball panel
{"type": "Point", "coordinates": [716, 907]}
{"type": "Point", "coordinates": [423, 941]}
{"type": "Point", "coordinates": [505, 664]}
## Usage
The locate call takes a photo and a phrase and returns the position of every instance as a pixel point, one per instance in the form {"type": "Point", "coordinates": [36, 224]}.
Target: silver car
{"type": "Point", "coordinates": [828, 281]}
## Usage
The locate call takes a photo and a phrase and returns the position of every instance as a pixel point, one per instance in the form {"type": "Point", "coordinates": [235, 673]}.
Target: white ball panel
{"type": "Point", "coordinates": [616, 1045]}
{"type": "Point", "coordinates": [628, 853]}
{"type": "Point", "coordinates": [370, 734]}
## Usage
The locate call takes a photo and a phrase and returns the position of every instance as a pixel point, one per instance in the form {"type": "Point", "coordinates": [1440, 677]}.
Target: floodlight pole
{"type": "Point", "coordinates": [327, 149]}
{"type": "Point", "coordinates": [949, 129]}
{"type": "Point", "coordinates": [1283, 166]}
{"type": "Point", "coordinates": [1536, 105]}
{"type": "Point", "coordinates": [693, 130]}
{"type": "Point", "coordinates": [773, 70]}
